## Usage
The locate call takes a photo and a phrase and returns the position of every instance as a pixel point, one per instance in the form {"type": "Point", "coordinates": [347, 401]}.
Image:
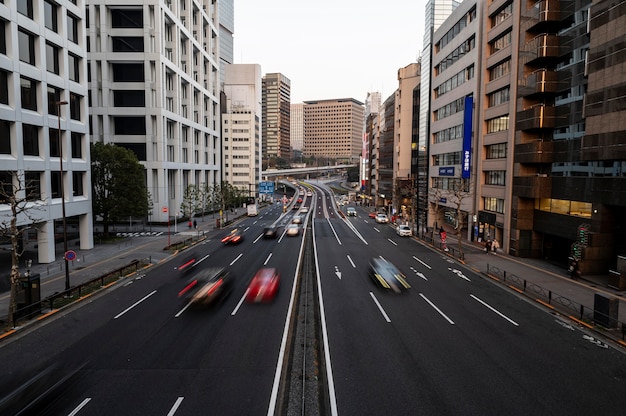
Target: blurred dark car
{"type": "Point", "coordinates": [234, 237]}
{"type": "Point", "coordinates": [263, 286]}
{"type": "Point", "coordinates": [271, 231]}
{"type": "Point", "coordinates": [387, 276]}
{"type": "Point", "coordinates": [208, 286]}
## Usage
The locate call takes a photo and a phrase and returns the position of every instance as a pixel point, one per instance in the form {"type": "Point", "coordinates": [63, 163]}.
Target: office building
{"type": "Point", "coordinates": [154, 89]}
{"type": "Point", "coordinates": [333, 130]}
{"type": "Point", "coordinates": [297, 129]}
{"type": "Point", "coordinates": [44, 141]}
{"type": "Point", "coordinates": [241, 124]}
{"type": "Point", "coordinates": [276, 118]}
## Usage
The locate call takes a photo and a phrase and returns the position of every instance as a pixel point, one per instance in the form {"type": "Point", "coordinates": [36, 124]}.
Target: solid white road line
{"type": "Point", "coordinates": [425, 265]}
{"type": "Point", "coordinates": [175, 407]}
{"type": "Point", "coordinates": [135, 304]}
{"type": "Point", "coordinates": [240, 303]}
{"type": "Point", "coordinates": [237, 258]}
{"type": "Point", "coordinates": [267, 259]}
{"type": "Point", "coordinates": [351, 262]}
{"type": "Point", "coordinates": [437, 309]}
{"type": "Point", "coordinates": [380, 308]}
{"type": "Point", "coordinates": [80, 406]}
{"type": "Point", "coordinates": [494, 310]}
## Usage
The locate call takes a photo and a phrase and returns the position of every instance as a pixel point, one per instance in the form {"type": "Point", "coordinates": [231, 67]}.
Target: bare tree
{"type": "Point", "coordinates": [436, 195]}
{"type": "Point", "coordinates": [460, 193]}
{"type": "Point", "coordinates": [21, 198]}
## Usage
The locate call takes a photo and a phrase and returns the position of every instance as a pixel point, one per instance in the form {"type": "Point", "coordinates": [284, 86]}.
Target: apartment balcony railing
{"type": "Point", "coordinates": [537, 117]}
{"type": "Point", "coordinates": [543, 15]}
{"type": "Point", "coordinates": [541, 81]}
{"type": "Point", "coordinates": [542, 47]}
{"type": "Point", "coordinates": [538, 186]}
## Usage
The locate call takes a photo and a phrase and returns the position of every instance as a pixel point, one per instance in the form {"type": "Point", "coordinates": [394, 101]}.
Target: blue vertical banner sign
{"type": "Point", "coordinates": [467, 136]}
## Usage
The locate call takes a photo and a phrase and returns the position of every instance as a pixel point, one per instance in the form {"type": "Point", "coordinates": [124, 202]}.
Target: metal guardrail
{"type": "Point", "coordinates": [73, 294]}
{"type": "Point", "coordinates": [589, 315]}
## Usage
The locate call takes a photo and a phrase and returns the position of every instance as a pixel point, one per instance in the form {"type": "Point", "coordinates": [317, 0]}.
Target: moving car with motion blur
{"type": "Point", "coordinates": [293, 230]}
{"type": "Point", "coordinates": [208, 286]}
{"type": "Point", "coordinates": [386, 275]}
{"type": "Point", "coordinates": [382, 218]}
{"type": "Point", "coordinates": [372, 214]}
{"type": "Point", "coordinates": [271, 231]}
{"type": "Point", "coordinates": [263, 286]}
{"type": "Point", "coordinates": [351, 212]}
{"type": "Point", "coordinates": [404, 230]}
{"type": "Point", "coordinates": [186, 264]}
{"type": "Point", "coordinates": [297, 219]}
{"type": "Point", "coordinates": [234, 237]}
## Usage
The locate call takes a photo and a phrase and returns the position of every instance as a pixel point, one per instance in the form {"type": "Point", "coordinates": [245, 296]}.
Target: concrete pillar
{"type": "Point", "coordinates": [45, 242]}
{"type": "Point", "coordinates": [85, 230]}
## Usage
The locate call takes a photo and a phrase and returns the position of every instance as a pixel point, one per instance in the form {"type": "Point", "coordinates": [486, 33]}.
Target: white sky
{"type": "Point", "coordinates": [330, 48]}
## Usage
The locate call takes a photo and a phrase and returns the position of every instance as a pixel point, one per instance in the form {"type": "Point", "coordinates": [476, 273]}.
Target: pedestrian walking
{"type": "Point", "coordinates": [495, 246]}
{"type": "Point", "coordinates": [574, 271]}
{"type": "Point", "coordinates": [487, 246]}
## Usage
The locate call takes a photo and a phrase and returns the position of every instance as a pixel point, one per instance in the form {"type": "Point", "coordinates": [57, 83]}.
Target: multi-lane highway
{"type": "Point", "coordinates": [453, 343]}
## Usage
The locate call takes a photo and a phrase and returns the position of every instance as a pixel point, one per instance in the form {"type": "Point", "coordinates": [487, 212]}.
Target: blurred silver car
{"type": "Point", "coordinates": [293, 230]}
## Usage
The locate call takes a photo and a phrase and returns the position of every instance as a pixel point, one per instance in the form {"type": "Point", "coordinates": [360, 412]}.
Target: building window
{"type": "Point", "coordinates": [497, 124]}
{"type": "Point", "coordinates": [77, 145]}
{"type": "Point", "coordinates": [499, 97]}
{"type": "Point", "coordinates": [496, 151]}
{"type": "Point", "coordinates": [3, 37]}
{"type": "Point", "coordinates": [74, 67]}
{"type": "Point", "coordinates": [500, 70]}
{"type": "Point", "coordinates": [28, 89]}
{"type": "Point", "coordinates": [25, 7]}
{"type": "Point", "coordinates": [4, 87]}
{"type": "Point", "coordinates": [30, 139]}
{"type": "Point", "coordinates": [494, 204]}
{"type": "Point", "coordinates": [127, 44]}
{"type": "Point", "coordinates": [130, 125]}
{"type": "Point", "coordinates": [33, 186]}
{"type": "Point", "coordinates": [501, 42]}
{"type": "Point", "coordinates": [128, 72]}
{"type": "Point", "coordinates": [5, 137]}
{"type": "Point", "coordinates": [53, 136]}
{"type": "Point", "coordinates": [54, 96]}
{"type": "Point", "coordinates": [495, 177]}
{"type": "Point", "coordinates": [77, 184]}
{"type": "Point", "coordinates": [129, 98]}
{"type": "Point", "coordinates": [52, 58]}
{"type": "Point", "coordinates": [75, 103]}
{"type": "Point", "coordinates": [50, 16]}
{"type": "Point", "coordinates": [124, 18]}
{"type": "Point", "coordinates": [72, 28]}
{"type": "Point", "coordinates": [55, 183]}
{"type": "Point", "coordinates": [26, 43]}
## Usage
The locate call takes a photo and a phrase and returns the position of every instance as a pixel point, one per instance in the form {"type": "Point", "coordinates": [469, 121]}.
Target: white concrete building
{"type": "Point", "coordinates": [155, 89]}
{"type": "Point", "coordinates": [43, 69]}
{"type": "Point", "coordinates": [241, 126]}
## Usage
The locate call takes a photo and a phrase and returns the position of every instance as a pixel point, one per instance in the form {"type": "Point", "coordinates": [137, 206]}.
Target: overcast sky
{"type": "Point", "coordinates": [330, 48]}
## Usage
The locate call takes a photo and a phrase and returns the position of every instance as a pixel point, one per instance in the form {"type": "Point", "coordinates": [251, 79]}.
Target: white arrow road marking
{"type": "Point", "coordinates": [437, 309]}
{"type": "Point", "coordinates": [337, 272]}
{"type": "Point", "coordinates": [419, 273]}
{"type": "Point", "coordinates": [595, 341]}
{"type": "Point", "coordinates": [459, 273]}
{"type": "Point", "coordinates": [351, 262]}
{"type": "Point", "coordinates": [494, 310]}
{"type": "Point", "coordinates": [425, 265]}
{"type": "Point", "coordinates": [564, 325]}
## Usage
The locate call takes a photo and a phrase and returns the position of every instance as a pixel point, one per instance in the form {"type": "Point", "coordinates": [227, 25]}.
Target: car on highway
{"type": "Point", "coordinates": [387, 275]}
{"type": "Point", "coordinates": [297, 219]}
{"type": "Point", "coordinates": [382, 218]}
{"type": "Point", "coordinates": [372, 214]}
{"type": "Point", "coordinates": [309, 193]}
{"type": "Point", "coordinates": [293, 230]}
{"type": "Point", "coordinates": [404, 230]}
{"type": "Point", "coordinates": [351, 212]}
{"type": "Point", "coordinates": [186, 264]}
{"type": "Point", "coordinates": [208, 286]}
{"type": "Point", "coordinates": [271, 231]}
{"type": "Point", "coordinates": [234, 237]}
{"type": "Point", "coordinates": [263, 286]}
{"type": "Point", "coordinates": [304, 210]}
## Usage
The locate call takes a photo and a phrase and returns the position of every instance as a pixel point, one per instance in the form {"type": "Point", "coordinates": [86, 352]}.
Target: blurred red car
{"type": "Point", "coordinates": [372, 214]}
{"type": "Point", "coordinates": [234, 237]}
{"type": "Point", "coordinates": [263, 286]}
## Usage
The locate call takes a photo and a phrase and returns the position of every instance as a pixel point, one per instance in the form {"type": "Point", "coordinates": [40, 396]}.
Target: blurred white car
{"type": "Point", "coordinates": [404, 231]}
{"type": "Point", "coordinates": [293, 230]}
{"type": "Point", "coordinates": [382, 218]}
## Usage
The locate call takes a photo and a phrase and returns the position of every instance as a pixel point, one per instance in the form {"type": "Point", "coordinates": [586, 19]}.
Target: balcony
{"type": "Point", "coordinates": [532, 186]}
{"type": "Point", "coordinates": [542, 16]}
{"type": "Point", "coordinates": [542, 81]}
{"type": "Point", "coordinates": [537, 152]}
{"type": "Point", "coordinates": [537, 117]}
{"type": "Point", "coordinates": [544, 47]}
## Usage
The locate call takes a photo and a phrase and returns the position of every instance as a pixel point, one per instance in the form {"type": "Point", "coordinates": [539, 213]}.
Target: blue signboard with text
{"type": "Point", "coordinates": [266, 187]}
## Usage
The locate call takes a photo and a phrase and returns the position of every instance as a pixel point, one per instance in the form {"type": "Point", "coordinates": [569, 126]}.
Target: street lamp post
{"type": "Point", "coordinates": [67, 269]}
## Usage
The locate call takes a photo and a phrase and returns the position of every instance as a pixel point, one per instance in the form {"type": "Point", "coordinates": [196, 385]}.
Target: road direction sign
{"type": "Point", "coordinates": [266, 187]}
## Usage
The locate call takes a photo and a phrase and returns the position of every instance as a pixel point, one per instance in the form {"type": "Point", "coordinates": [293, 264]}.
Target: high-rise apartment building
{"type": "Point", "coordinates": [154, 89]}
{"type": "Point", "coordinates": [226, 22]}
{"type": "Point", "coordinates": [241, 124]}
{"type": "Point", "coordinates": [44, 141]}
{"type": "Point", "coordinates": [276, 117]}
{"type": "Point", "coordinates": [333, 129]}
